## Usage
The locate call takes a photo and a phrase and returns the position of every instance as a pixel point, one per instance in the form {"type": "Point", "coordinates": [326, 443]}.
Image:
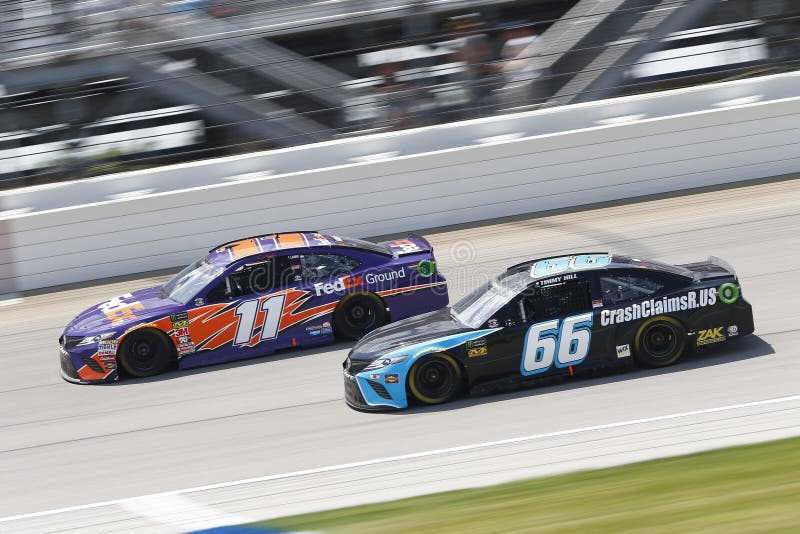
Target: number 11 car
{"type": "Point", "coordinates": [252, 297]}
{"type": "Point", "coordinates": [552, 317]}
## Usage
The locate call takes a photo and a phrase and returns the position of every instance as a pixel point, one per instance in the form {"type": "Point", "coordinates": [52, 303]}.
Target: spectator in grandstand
{"type": "Point", "coordinates": [516, 65]}
{"type": "Point", "coordinates": [394, 97]}
{"type": "Point", "coordinates": [476, 56]}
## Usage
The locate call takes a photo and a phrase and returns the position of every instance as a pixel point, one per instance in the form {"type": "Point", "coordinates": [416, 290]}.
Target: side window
{"type": "Point", "coordinates": [620, 286]}
{"type": "Point", "coordinates": [254, 278]}
{"type": "Point", "coordinates": [556, 300]}
{"type": "Point", "coordinates": [325, 266]}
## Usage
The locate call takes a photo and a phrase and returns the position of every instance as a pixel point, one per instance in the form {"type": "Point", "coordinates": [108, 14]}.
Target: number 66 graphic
{"type": "Point", "coordinates": [547, 343]}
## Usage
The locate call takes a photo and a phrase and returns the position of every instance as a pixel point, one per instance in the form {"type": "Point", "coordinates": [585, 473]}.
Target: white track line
{"type": "Point", "coordinates": [461, 448]}
{"type": "Point", "coordinates": [181, 513]}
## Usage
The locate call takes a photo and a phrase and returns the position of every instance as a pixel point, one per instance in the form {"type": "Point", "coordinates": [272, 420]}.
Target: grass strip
{"type": "Point", "coordinates": [754, 488]}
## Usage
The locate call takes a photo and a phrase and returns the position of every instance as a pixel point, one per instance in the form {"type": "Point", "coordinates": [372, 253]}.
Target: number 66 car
{"type": "Point", "coordinates": [548, 318]}
{"type": "Point", "coordinates": [252, 297]}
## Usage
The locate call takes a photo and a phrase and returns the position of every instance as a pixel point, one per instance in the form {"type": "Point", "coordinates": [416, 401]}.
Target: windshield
{"type": "Point", "coordinates": [477, 307]}
{"type": "Point", "coordinates": [187, 283]}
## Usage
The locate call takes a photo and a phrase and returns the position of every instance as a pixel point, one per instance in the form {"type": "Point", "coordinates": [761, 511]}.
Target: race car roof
{"type": "Point", "coordinates": [614, 261]}
{"type": "Point", "coordinates": [227, 253]}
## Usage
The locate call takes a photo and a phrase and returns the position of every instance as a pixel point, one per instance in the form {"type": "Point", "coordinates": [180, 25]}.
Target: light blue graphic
{"type": "Point", "coordinates": [397, 390]}
{"type": "Point", "coordinates": [554, 266]}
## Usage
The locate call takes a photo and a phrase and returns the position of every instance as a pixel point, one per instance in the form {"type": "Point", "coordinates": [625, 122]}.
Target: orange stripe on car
{"type": "Point", "coordinates": [241, 249]}
{"type": "Point", "coordinates": [290, 241]}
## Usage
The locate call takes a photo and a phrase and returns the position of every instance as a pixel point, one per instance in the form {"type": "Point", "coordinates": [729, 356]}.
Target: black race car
{"type": "Point", "coordinates": [550, 317]}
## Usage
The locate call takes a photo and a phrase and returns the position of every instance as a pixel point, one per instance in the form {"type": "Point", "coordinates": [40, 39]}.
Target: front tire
{"type": "Point", "coordinates": [659, 342]}
{"type": "Point", "coordinates": [146, 352]}
{"type": "Point", "coordinates": [358, 314]}
{"type": "Point", "coordinates": [435, 379]}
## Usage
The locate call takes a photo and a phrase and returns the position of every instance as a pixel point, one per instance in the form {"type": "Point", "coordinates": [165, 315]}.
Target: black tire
{"type": "Point", "coordinates": [435, 379]}
{"type": "Point", "coordinates": [358, 314]}
{"type": "Point", "coordinates": [146, 352]}
{"type": "Point", "coordinates": [659, 342]}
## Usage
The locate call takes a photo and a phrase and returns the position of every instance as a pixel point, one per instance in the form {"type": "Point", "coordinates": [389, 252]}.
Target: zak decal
{"type": "Point", "coordinates": [709, 336]}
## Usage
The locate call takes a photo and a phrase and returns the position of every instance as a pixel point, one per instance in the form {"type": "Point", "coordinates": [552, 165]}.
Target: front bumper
{"type": "Point", "coordinates": [86, 369]}
{"type": "Point", "coordinates": [354, 397]}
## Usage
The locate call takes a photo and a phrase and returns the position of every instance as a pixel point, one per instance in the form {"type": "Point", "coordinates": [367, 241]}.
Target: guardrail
{"type": "Point", "coordinates": [415, 179]}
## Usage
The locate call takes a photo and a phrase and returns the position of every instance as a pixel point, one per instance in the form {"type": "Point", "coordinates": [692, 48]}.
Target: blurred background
{"type": "Point", "coordinates": [90, 87]}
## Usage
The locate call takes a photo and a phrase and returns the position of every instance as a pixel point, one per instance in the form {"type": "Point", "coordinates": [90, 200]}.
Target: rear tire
{"type": "Point", "coordinates": [146, 352]}
{"type": "Point", "coordinates": [358, 314]}
{"type": "Point", "coordinates": [659, 342]}
{"type": "Point", "coordinates": [435, 379]}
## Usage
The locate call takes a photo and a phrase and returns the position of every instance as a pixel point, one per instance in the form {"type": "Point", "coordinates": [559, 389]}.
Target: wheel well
{"type": "Point", "coordinates": [667, 318]}
{"type": "Point", "coordinates": [351, 296]}
{"type": "Point", "coordinates": [160, 333]}
{"type": "Point", "coordinates": [461, 365]}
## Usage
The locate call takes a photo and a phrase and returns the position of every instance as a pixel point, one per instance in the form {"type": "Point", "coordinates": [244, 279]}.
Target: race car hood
{"type": "Point", "coordinates": [411, 331]}
{"type": "Point", "coordinates": [122, 312]}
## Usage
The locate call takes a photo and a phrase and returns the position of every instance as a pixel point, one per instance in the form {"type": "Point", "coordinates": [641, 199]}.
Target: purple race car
{"type": "Point", "coordinates": [253, 297]}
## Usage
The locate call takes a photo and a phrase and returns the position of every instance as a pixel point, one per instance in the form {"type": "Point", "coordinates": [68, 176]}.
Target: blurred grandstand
{"type": "Point", "coordinates": [89, 87]}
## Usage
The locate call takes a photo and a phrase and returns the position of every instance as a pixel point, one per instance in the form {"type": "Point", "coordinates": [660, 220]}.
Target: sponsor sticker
{"type": "Point", "coordinates": [598, 303]}
{"type": "Point", "coordinates": [733, 330]}
{"type": "Point", "coordinates": [392, 378]}
{"type": "Point", "coordinates": [649, 308]}
{"type": "Point", "coordinates": [476, 343]}
{"type": "Point", "coordinates": [179, 320]}
{"type": "Point", "coordinates": [318, 330]}
{"type": "Point", "coordinates": [476, 352]}
{"type": "Point", "coordinates": [374, 278]}
{"type": "Point", "coordinates": [492, 323]}
{"type": "Point", "coordinates": [109, 366]}
{"type": "Point", "coordinates": [180, 332]}
{"type": "Point", "coordinates": [623, 351]}
{"type": "Point", "coordinates": [709, 336]}
{"type": "Point", "coordinates": [341, 284]}
{"type": "Point", "coordinates": [185, 348]}
{"type": "Point", "coordinates": [374, 377]}
{"type": "Point", "coordinates": [107, 348]}
{"type": "Point", "coordinates": [198, 301]}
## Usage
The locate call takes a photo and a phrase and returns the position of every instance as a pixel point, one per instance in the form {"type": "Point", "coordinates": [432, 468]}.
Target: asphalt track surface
{"type": "Point", "coordinates": [272, 436]}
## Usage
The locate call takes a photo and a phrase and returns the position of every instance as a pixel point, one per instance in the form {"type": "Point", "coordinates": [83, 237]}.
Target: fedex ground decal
{"type": "Point", "coordinates": [375, 278]}
{"type": "Point", "coordinates": [649, 308]}
{"type": "Point", "coordinates": [350, 282]}
{"type": "Point", "coordinates": [342, 283]}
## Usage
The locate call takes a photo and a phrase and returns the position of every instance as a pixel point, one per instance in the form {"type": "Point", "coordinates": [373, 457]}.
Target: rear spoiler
{"type": "Point", "coordinates": [411, 244]}
{"type": "Point", "coordinates": [722, 263]}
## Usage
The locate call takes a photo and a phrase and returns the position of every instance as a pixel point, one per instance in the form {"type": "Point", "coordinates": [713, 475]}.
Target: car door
{"type": "Point", "coordinates": [559, 316]}
{"type": "Point", "coordinates": [546, 329]}
{"type": "Point", "coordinates": [327, 277]}
{"type": "Point", "coordinates": [243, 311]}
